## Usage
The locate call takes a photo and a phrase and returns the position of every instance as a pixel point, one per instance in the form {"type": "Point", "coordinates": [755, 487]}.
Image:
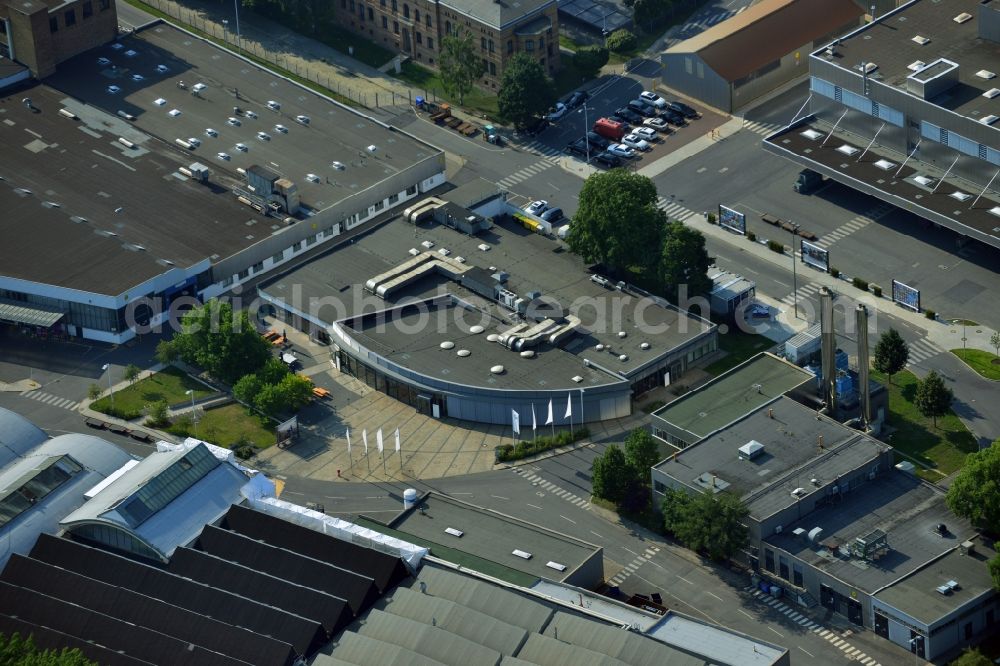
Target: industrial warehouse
{"type": "Point", "coordinates": [169, 183]}
{"type": "Point", "coordinates": [470, 319]}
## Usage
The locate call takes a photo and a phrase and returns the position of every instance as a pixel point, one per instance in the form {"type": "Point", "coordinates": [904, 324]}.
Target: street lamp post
{"type": "Point", "coordinates": [194, 414]}
{"type": "Point", "coordinates": [586, 128]}
{"type": "Point", "coordinates": [795, 284]}
{"type": "Point", "coordinates": [225, 31]}
{"type": "Point", "coordinates": [236, 8]}
{"type": "Point", "coordinates": [107, 368]}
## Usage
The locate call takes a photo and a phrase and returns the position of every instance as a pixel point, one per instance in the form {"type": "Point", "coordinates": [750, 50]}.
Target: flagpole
{"type": "Point", "coordinates": [350, 458]}
{"type": "Point", "coordinates": [581, 403]}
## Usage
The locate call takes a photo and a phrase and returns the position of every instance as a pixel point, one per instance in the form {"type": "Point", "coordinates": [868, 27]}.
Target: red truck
{"type": "Point", "coordinates": [610, 129]}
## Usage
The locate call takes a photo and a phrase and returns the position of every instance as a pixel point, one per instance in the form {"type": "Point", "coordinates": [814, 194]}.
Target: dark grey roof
{"type": "Point", "coordinates": [144, 611]}
{"type": "Point", "coordinates": [904, 507]}
{"type": "Point", "coordinates": [254, 613]}
{"type": "Point", "coordinates": [473, 193]}
{"type": "Point", "coordinates": [359, 591]}
{"type": "Point", "coordinates": [49, 639]}
{"type": "Point", "coordinates": [889, 44]}
{"type": "Point", "coordinates": [535, 263]}
{"type": "Point", "coordinates": [791, 456]}
{"type": "Point", "coordinates": [917, 595]}
{"type": "Point", "coordinates": [498, 13]}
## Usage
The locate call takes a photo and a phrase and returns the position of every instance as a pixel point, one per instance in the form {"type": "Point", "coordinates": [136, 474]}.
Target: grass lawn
{"type": "Point", "coordinates": [985, 363]}
{"type": "Point", "coordinates": [169, 384]}
{"type": "Point", "coordinates": [739, 347]}
{"type": "Point", "coordinates": [365, 50]}
{"type": "Point", "coordinates": [943, 448]}
{"type": "Point", "coordinates": [226, 425]}
{"type": "Point", "coordinates": [428, 81]}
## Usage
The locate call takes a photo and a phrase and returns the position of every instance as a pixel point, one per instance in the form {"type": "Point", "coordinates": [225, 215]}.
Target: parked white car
{"type": "Point", "coordinates": [654, 99]}
{"type": "Point", "coordinates": [537, 207]}
{"type": "Point", "coordinates": [281, 128]}
{"type": "Point", "coordinates": [637, 142]}
{"type": "Point", "coordinates": [242, 147]}
{"type": "Point", "coordinates": [558, 112]}
{"type": "Point", "coordinates": [621, 150]}
{"type": "Point", "coordinates": [647, 133]}
{"type": "Point", "coordinates": [211, 132]}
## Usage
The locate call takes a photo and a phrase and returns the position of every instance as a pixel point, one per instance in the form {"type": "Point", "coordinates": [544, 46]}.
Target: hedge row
{"type": "Point", "coordinates": [525, 448]}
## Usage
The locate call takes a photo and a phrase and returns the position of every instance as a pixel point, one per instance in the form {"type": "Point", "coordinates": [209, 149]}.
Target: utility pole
{"type": "Point", "coordinates": [795, 285]}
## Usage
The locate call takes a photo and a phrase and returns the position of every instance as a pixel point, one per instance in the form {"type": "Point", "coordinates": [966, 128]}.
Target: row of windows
{"type": "Point", "coordinates": [783, 568]}
{"type": "Point", "coordinates": [69, 16]}
{"type": "Point", "coordinates": [959, 142]}
{"type": "Point", "coordinates": [395, 8]}
{"type": "Point", "coordinates": [856, 101]}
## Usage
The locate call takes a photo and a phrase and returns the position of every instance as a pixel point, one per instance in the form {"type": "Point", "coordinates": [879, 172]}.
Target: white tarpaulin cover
{"type": "Point", "coordinates": [341, 529]}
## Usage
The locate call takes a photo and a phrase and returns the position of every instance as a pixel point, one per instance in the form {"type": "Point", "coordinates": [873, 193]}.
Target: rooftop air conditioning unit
{"type": "Point", "coordinates": [778, 529]}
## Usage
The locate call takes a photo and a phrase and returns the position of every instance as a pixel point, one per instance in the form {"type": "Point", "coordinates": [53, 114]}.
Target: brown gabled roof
{"type": "Point", "coordinates": [766, 32]}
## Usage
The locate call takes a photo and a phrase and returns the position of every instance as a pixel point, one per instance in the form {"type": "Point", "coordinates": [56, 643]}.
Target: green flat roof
{"type": "Point", "coordinates": [734, 394]}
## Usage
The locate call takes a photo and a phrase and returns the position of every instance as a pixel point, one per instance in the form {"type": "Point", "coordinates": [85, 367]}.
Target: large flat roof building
{"type": "Point", "coordinates": [173, 182]}
{"type": "Point", "coordinates": [906, 109]}
{"type": "Point", "coordinates": [472, 325]}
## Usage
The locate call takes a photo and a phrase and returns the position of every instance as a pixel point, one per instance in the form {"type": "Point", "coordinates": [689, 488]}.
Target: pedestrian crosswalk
{"type": "Point", "coordinates": [673, 210]}
{"type": "Point", "coordinates": [525, 173]}
{"type": "Point", "coordinates": [831, 637]}
{"type": "Point", "coordinates": [805, 291]}
{"type": "Point", "coordinates": [633, 566]}
{"type": "Point", "coordinates": [854, 225]}
{"type": "Point", "coordinates": [49, 399]}
{"type": "Point", "coordinates": [921, 350]}
{"type": "Point", "coordinates": [761, 128]}
{"type": "Point", "coordinates": [548, 152]}
{"type": "Point", "coordinates": [552, 488]}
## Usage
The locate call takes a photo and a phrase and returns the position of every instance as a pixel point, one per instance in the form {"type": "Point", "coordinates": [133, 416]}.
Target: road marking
{"type": "Point", "coordinates": [630, 551]}
{"type": "Point", "coordinates": [333, 497]}
{"type": "Point", "coordinates": [596, 534]}
{"type": "Point", "coordinates": [534, 507]}
{"type": "Point", "coordinates": [292, 492]}
{"type": "Point", "coordinates": [775, 631]}
{"type": "Point", "coordinates": [685, 580]}
{"type": "Point", "coordinates": [811, 655]}
{"type": "Point", "coordinates": [460, 493]}
{"type": "Point", "coordinates": [746, 613]}
{"type": "Point", "coordinates": [569, 519]}
{"type": "Point", "coordinates": [500, 497]}
{"type": "Point", "coordinates": [714, 595]}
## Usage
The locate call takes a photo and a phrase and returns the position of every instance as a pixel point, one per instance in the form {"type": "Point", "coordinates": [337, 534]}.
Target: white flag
{"type": "Point", "coordinates": [397, 440]}
{"type": "Point", "coordinates": [348, 441]}
{"type": "Point", "coordinates": [364, 437]}
{"type": "Point", "coordinates": [378, 440]}
{"type": "Point", "coordinates": [534, 423]}
{"type": "Point", "coordinates": [550, 419]}
{"type": "Point", "coordinates": [516, 421]}
{"type": "Point", "coordinates": [569, 405]}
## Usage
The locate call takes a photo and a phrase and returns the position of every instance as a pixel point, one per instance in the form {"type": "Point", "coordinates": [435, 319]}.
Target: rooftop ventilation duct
{"type": "Point", "coordinates": [932, 79]}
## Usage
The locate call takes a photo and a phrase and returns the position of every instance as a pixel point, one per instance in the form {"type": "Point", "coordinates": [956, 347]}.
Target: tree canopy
{"type": "Point", "coordinates": [611, 475]}
{"type": "Point", "coordinates": [459, 64]}
{"type": "Point", "coordinates": [891, 353]}
{"type": "Point", "coordinates": [972, 657]}
{"type": "Point", "coordinates": [273, 389]}
{"type": "Point", "coordinates": [617, 222]}
{"type": "Point", "coordinates": [684, 263]}
{"type": "Point", "coordinates": [933, 398]}
{"type": "Point", "coordinates": [975, 492]}
{"type": "Point", "coordinates": [224, 343]}
{"type": "Point", "coordinates": [641, 451]}
{"type": "Point", "coordinates": [590, 59]}
{"type": "Point", "coordinates": [525, 91]}
{"type": "Point", "coordinates": [18, 651]}
{"type": "Point", "coordinates": [713, 524]}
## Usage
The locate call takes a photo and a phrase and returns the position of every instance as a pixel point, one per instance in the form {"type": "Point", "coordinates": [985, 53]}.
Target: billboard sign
{"type": "Point", "coordinates": [815, 256]}
{"type": "Point", "coordinates": [906, 296]}
{"type": "Point", "coordinates": [287, 431]}
{"type": "Point", "coordinates": [732, 220]}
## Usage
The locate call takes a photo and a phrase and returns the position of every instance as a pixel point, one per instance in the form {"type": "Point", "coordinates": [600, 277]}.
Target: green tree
{"type": "Point", "coordinates": [296, 391]}
{"type": "Point", "coordinates": [158, 414]}
{"type": "Point", "coordinates": [995, 341]}
{"type": "Point", "coordinates": [525, 91]}
{"type": "Point", "coordinates": [273, 371]}
{"type": "Point", "coordinates": [713, 524]}
{"type": "Point", "coordinates": [933, 398]}
{"type": "Point", "coordinates": [617, 222]}
{"type": "Point", "coordinates": [166, 352]}
{"type": "Point", "coordinates": [611, 475]}
{"type": "Point", "coordinates": [224, 343]}
{"type": "Point", "coordinates": [246, 388]}
{"type": "Point", "coordinates": [972, 657]}
{"type": "Point", "coordinates": [684, 262]}
{"type": "Point", "coordinates": [94, 392]}
{"type": "Point", "coordinates": [641, 453]}
{"type": "Point", "coordinates": [975, 492]}
{"type": "Point", "coordinates": [131, 373]}
{"type": "Point", "coordinates": [891, 353]}
{"type": "Point", "coordinates": [459, 64]}
{"type": "Point", "coordinates": [590, 59]}
{"type": "Point", "coordinates": [17, 651]}
{"type": "Point", "coordinates": [620, 40]}
{"type": "Point", "coordinates": [994, 567]}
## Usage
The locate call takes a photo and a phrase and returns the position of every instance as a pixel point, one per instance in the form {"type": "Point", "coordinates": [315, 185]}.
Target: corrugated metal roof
{"type": "Point", "coordinates": [616, 642]}
{"type": "Point", "coordinates": [551, 652]}
{"type": "Point", "coordinates": [361, 650]}
{"type": "Point", "coordinates": [426, 639]}
{"type": "Point", "coordinates": [765, 32]}
{"type": "Point", "coordinates": [48, 639]}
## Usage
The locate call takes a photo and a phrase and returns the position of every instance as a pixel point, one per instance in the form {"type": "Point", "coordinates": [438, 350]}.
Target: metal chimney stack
{"type": "Point", "coordinates": [861, 322]}
{"type": "Point", "coordinates": [829, 349]}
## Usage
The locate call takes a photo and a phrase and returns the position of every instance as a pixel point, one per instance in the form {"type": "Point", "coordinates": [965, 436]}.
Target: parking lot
{"type": "Point", "coordinates": [607, 97]}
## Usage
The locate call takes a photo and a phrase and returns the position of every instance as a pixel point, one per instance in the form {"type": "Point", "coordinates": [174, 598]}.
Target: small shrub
{"type": "Point", "coordinates": [710, 218]}
{"type": "Point", "coordinates": [860, 284]}
{"type": "Point", "coordinates": [504, 452]}
{"type": "Point", "coordinates": [157, 414]}
{"type": "Point", "coordinates": [930, 314]}
{"type": "Point", "coordinates": [118, 412]}
{"type": "Point", "coordinates": [245, 451]}
{"type": "Point", "coordinates": [182, 427]}
{"type": "Point", "coordinates": [877, 290]}
{"type": "Point", "coordinates": [525, 448]}
{"type": "Point", "coordinates": [776, 246]}
{"type": "Point", "coordinates": [752, 237]}
{"type": "Point", "coordinates": [835, 272]}
{"type": "Point", "coordinates": [620, 40]}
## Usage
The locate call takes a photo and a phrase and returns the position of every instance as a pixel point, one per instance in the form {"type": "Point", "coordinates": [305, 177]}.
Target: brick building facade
{"type": "Point", "coordinates": [41, 34]}
{"type": "Point", "coordinates": [500, 29]}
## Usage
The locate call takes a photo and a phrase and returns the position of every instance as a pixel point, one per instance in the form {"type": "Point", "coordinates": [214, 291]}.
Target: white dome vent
{"type": "Point", "coordinates": [497, 370]}
{"type": "Point", "coordinates": [476, 330]}
{"type": "Point", "coordinates": [447, 344]}
{"type": "Point", "coordinates": [463, 353]}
